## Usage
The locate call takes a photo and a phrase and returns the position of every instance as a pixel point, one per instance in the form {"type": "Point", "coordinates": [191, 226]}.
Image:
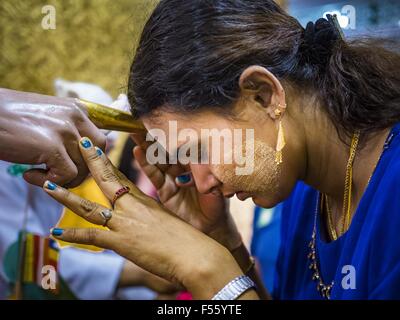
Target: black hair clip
{"type": "Point", "coordinates": [335, 22]}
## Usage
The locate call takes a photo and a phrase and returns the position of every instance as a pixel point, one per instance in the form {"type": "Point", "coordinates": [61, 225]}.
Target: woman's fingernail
{"type": "Point", "coordinates": [50, 185]}
{"type": "Point", "coordinates": [184, 178]}
{"type": "Point", "coordinates": [98, 151]}
{"type": "Point", "coordinates": [85, 142]}
{"type": "Point", "coordinates": [57, 232]}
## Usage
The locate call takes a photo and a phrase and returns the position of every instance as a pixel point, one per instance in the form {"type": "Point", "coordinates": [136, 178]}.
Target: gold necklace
{"type": "Point", "coordinates": [331, 228]}
{"type": "Point", "coordinates": [322, 288]}
{"type": "Point", "coordinates": [348, 183]}
{"type": "Point", "coordinates": [325, 289]}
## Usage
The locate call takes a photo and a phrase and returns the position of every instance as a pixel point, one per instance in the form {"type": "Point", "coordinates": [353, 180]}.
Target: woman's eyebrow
{"type": "Point", "coordinates": [199, 146]}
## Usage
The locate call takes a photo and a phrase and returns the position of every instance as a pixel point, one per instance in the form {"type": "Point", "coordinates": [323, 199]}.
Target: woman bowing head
{"type": "Point", "coordinates": [323, 115]}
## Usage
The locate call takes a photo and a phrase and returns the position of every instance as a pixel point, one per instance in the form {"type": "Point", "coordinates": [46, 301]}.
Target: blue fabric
{"type": "Point", "coordinates": [265, 242]}
{"type": "Point", "coordinates": [371, 245]}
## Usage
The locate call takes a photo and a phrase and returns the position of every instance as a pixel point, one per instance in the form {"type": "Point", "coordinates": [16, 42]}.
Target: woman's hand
{"type": "Point", "coordinates": [134, 276]}
{"type": "Point", "coordinates": [208, 213]}
{"type": "Point", "coordinates": [145, 232]}
{"type": "Point", "coordinates": [37, 129]}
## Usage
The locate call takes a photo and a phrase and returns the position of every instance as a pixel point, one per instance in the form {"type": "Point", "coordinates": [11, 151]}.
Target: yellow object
{"type": "Point", "coordinates": [280, 145]}
{"type": "Point", "coordinates": [88, 190]}
{"type": "Point", "coordinates": [348, 183]}
{"type": "Point", "coordinates": [53, 255]}
{"type": "Point", "coordinates": [94, 42]}
{"type": "Point", "coordinates": [331, 228]}
{"type": "Point", "coordinates": [112, 119]}
{"type": "Point", "coordinates": [29, 254]}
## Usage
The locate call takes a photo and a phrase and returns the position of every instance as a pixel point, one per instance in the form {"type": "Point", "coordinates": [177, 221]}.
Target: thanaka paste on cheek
{"type": "Point", "coordinates": [263, 181]}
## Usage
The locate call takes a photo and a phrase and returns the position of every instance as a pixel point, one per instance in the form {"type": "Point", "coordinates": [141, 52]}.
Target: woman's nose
{"type": "Point", "coordinates": [205, 181]}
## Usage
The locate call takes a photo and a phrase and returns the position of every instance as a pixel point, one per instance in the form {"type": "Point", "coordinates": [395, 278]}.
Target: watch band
{"type": "Point", "coordinates": [235, 288]}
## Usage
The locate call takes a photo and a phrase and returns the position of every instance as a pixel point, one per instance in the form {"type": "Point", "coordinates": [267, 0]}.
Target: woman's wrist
{"type": "Point", "coordinates": [227, 234]}
{"type": "Point", "coordinates": [243, 258]}
{"type": "Point", "coordinates": [212, 273]}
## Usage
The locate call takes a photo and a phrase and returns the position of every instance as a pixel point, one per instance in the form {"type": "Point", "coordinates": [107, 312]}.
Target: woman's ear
{"type": "Point", "coordinates": [261, 85]}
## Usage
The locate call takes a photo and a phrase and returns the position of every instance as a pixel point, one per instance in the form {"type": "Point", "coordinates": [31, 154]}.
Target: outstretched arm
{"type": "Point", "coordinates": [37, 129]}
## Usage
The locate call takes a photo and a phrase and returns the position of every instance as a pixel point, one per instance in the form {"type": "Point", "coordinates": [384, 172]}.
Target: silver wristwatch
{"type": "Point", "coordinates": [235, 288]}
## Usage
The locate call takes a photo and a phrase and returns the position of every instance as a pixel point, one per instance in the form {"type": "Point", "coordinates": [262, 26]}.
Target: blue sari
{"type": "Point", "coordinates": [364, 263]}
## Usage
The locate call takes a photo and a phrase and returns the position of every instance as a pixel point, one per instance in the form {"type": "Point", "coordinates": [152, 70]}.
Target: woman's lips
{"type": "Point", "coordinates": [242, 195]}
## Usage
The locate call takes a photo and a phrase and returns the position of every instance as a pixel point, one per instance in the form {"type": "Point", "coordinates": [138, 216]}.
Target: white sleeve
{"type": "Point", "coordinates": [90, 275]}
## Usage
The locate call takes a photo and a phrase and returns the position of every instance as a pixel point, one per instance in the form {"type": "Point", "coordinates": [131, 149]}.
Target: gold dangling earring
{"type": "Point", "coordinates": [280, 144]}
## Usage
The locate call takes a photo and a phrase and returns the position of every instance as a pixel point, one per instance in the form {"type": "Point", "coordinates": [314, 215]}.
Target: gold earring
{"type": "Point", "coordinates": [280, 144]}
{"type": "Point", "coordinates": [278, 112]}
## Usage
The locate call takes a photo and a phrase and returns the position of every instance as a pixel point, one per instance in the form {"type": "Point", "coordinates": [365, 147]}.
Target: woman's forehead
{"type": "Point", "coordinates": [196, 121]}
{"type": "Point", "coordinates": [172, 131]}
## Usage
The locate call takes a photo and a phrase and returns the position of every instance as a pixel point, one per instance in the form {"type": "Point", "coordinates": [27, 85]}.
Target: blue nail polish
{"type": "Point", "coordinates": [185, 178]}
{"type": "Point", "coordinates": [86, 143]}
{"type": "Point", "coordinates": [51, 185]}
{"type": "Point", "coordinates": [57, 232]}
{"type": "Point", "coordinates": [99, 152]}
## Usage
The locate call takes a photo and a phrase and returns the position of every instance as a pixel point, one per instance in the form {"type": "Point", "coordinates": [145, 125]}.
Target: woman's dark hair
{"type": "Point", "coordinates": [192, 53]}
